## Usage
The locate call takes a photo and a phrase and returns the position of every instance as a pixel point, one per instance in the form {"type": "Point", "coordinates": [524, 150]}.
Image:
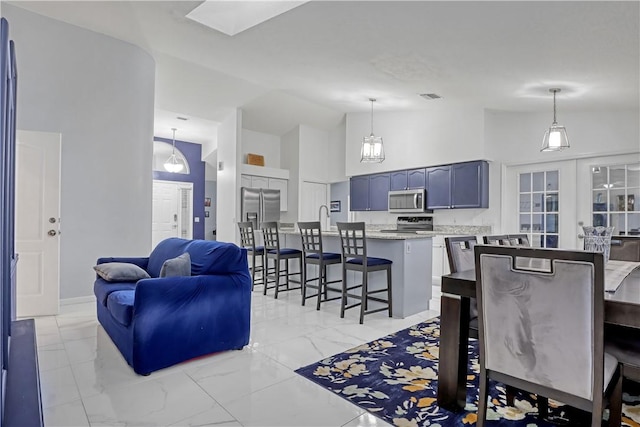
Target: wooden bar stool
{"type": "Point", "coordinates": [313, 254]}
{"type": "Point", "coordinates": [354, 258]}
{"type": "Point", "coordinates": [277, 254]}
{"type": "Point", "coordinates": [248, 241]}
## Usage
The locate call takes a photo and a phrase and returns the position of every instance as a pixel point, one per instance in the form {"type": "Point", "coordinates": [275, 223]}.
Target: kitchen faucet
{"type": "Point", "coordinates": [320, 214]}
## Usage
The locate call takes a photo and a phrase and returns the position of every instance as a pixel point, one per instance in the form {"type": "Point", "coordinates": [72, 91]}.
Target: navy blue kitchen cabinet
{"type": "Point", "coordinates": [407, 179]}
{"type": "Point", "coordinates": [379, 192]}
{"type": "Point", "coordinates": [398, 180]}
{"type": "Point", "coordinates": [438, 181]}
{"type": "Point", "coordinates": [416, 178]}
{"type": "Point", "coordinates": [470, 185]}
{"type": "Point", "coordinates": [359, 191]}
{"type": "Point", "coordinates": [458, 186]}
{"type": "Point", "coordinates": [370, 192]}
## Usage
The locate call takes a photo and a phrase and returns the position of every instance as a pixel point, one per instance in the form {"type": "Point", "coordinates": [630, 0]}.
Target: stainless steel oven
{"type": "Point", "coordinates": [407, 201]}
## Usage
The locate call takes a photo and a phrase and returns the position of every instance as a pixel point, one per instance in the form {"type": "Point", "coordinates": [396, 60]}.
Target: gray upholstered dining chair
{"type": "Point", "coordinates": [313, 254]}
{"type": "Point", "coordinates": [498, 239]}
{"type": "Point", "coordinates": [519, 240]}
{"type": "Point", "coordinates": [507, 240]}
{"type": "Point", "coordinates": [542, 331]}
{"type": "Point", "coordinates": [461, 258]}
{"type": "Point", "coordinates": [354, 258]}
{"type": "Point", "coordinates": [625, 248]}
{"type": "Point", "coordinates": [460, 251]}
{"type": "Point", "coordinates": [621, 341]}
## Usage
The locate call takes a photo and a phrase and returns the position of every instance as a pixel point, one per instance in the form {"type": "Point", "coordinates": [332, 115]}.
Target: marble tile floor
{"type": "Point", "coordinates": [86, 382]}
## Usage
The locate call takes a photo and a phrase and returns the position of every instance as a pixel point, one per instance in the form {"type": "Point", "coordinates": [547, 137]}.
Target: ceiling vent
{"type": "Point", "coordinates": [430, 96]}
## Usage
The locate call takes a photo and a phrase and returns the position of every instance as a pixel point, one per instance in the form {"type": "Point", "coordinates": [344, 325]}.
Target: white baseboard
{"type": "Point", "coordinates": [78, 300]}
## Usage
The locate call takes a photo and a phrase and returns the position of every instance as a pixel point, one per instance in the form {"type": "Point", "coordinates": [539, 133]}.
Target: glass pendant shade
{"type": "Point", "coordinates": [372, 149]}
{"type": "Point", "coordinates": [555, 138]}
{"type": "Point", "coordinates": [172, 164]}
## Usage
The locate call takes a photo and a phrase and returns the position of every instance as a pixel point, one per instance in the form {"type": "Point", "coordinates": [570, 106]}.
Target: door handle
{"type": "Point", "coordinates": [580, 236]}
{"type": "Point", "coordinates": [52, 233]}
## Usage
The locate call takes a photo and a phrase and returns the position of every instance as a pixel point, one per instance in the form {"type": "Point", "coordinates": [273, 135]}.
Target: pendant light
{"type": "Point", "coordinates": [372, 148]}
{"type": "Point", "coordinates": [555, 138]}
{"type": "Point", "coordinates": [172, 164]}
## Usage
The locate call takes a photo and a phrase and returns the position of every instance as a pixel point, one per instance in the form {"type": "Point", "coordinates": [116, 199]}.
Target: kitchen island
{"type": "Point", "coordinates": [411, 270]}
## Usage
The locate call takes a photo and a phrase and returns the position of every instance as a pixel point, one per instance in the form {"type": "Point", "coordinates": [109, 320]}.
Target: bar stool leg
{"type": "Point", "coordinates": [344, 292]}
{"type": "Point", "coordinates": [321, 283]}
{"type": "Point", "coordinates": [365, 293]}
{"type": "Point", "coordinates": [389, 292]}
{"type": "Point", "coordinates": [286, 272]}
{"type": "Point", "coordinates": [277, 260]}
{"type": "Point", "coordinates": [265, 277]}
{"type": "Point", "coordinates": [303, 273]}
{"type": "Point", "coordinates": [253, 270]}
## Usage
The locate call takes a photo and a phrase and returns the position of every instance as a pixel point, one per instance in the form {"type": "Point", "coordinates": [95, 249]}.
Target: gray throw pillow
{"type": "Point", "coordinates": [178, 266]}
{"type": "Point", "coordinates": [120, 272]}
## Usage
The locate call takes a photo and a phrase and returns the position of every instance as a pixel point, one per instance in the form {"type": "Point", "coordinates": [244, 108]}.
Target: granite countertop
{"type": "Point", "coordinates": [371, 234]}
{"type": "Point", "coordinates": [373, 231]}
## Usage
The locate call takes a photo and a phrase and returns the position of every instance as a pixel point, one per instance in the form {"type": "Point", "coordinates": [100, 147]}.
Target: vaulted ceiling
{"type": "Point", "coordinates": [322, 59]}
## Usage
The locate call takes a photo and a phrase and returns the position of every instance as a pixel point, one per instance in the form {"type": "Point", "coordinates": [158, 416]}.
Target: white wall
{"type": "Point", "coordinates": [289, 159]}
{"type": "Point", "coordinates": [337, 152]}
{"type": "Point", "coordinates": [98, 92]}
{"type": "Point", "coordinates": [261, 143]}
{"type": "Point", "coordinates": [228, 197]}
{"type": "Point", "coordinates": [314, 154]}
{"type": "Point", "coordinates": [517, 137]}
{"type": "Point", "coordinates": [443, 134]}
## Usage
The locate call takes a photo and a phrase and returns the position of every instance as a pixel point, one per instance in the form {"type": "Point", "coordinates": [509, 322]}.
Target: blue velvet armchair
{"type": "Point", "coordinates": [159, 322]}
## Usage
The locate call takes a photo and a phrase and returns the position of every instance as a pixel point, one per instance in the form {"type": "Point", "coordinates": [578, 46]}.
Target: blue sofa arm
{"type": "Point", "coordinates": [139, 261]}
{"type": "Point", "coordinates": [179, 318]}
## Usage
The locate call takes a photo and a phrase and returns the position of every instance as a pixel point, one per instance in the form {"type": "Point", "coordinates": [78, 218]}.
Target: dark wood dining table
{"type": "Point", "coordinates": [622, 307]}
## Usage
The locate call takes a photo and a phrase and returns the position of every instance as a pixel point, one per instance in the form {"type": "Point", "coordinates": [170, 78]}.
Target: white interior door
{"type": "Point", "coordinates": [172, 210]}
{"type": "Point", "coordinates": [312, 196]}
{"type": "Point", "coordinates": [38, 223]}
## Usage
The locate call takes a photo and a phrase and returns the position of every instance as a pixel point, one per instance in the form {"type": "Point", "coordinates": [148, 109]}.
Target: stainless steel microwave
{"type": "Point", "coordinates": [407, 201]}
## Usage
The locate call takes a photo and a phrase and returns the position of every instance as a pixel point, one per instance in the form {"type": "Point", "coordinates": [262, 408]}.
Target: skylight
{"type": "Point", "coordinates": [233, 17]}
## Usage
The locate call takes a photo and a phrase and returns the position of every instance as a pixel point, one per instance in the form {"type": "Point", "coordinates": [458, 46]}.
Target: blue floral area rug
{"type": "Point", "coordinates": [396, 379]}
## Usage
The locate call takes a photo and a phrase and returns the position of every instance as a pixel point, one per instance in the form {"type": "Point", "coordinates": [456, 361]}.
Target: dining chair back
{"type": "Point", "coordinates": [313, 254]}
{"type": "Point", "coordinates": [498, 239]}
{"type": "Point", "coordinates": [274, 252]}
{"type": "Point", "coordinates": [542, 331]}
{"type": "Point", "coordinates": [460, 252]}
{"type": "Point", "coordinates": [248, 241]}
{"type": "Point", "coordinates": [518, 240]}
{"type": "Point", "coordinates": [625, 248]}
{"type": "Point", "coordinates": [354, 258]}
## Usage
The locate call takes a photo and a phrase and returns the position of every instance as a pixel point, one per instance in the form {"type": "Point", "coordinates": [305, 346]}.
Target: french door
{"type": "Point", "coordinates": [552, 201]}
{"type": "Point", "coordinates": [540, 201]}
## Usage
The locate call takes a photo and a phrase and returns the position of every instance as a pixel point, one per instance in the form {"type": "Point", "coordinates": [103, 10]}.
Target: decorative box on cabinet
{"type": "Point", "coordinates": [370, 192]}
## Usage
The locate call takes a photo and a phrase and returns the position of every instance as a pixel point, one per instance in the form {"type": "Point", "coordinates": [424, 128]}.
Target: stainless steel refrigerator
{"type": "Point", "coordinates": [259, 205]}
